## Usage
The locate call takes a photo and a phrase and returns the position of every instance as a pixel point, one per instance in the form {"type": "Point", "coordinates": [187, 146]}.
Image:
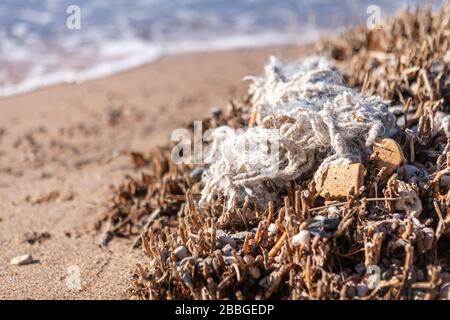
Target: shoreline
{"type": "Point", "coordinates": [105, 71]}
{"type": "Point", "coordinates": [61, 151]}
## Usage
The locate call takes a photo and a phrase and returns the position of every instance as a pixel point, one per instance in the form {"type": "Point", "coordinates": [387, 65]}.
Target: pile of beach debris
{"type": "Point", "coordinates": [372, 226]}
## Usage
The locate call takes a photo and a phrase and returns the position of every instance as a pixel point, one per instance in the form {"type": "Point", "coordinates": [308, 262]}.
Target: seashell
{"type": "Point", "coordinates": [22, 260]}
{"type": "Point", "coordinates": [409, 202]}
{"type": "Point", "coordinates": [272, 229]}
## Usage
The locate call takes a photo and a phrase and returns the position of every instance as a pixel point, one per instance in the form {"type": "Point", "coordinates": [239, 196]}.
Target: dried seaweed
{"type": "Point", "coordinates": [376, 244]}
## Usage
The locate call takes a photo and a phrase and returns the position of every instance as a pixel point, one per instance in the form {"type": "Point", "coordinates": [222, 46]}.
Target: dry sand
{"type": "Point", "coordinates": [60, 155]}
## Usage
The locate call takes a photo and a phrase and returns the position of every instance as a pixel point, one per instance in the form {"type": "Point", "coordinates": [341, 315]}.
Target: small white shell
{"type": "Point", "coordinates": [272, 229]}
{"type": "Point", "coordinates": [22, 260]}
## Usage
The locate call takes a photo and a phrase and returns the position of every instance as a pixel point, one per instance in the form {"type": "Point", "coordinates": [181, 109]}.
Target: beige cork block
{"type": "Point", "coordinates": [388, 153]}
{"type": "Point", "coordinates": [338, 181]}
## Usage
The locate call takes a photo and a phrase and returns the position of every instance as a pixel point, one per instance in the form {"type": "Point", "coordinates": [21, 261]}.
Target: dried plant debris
{"type": "Point", "coordinates": [386, 237]}
{"type": "Point", "coordinates": [406, 61]}
{"type": "Point", "coordinates": [159, 194]}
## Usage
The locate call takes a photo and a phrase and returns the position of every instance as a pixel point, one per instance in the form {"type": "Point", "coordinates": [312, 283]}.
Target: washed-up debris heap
{"type": "Point", "coordinates": [375, 225]}
{"type": "Point", "coordinates": [310, 121]}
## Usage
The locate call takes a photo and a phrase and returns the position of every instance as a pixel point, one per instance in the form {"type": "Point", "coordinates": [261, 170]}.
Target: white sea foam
{"type": "Point", "coordinates": [120, 56]}
{"type": "Point", "coordinates": [37, 50]}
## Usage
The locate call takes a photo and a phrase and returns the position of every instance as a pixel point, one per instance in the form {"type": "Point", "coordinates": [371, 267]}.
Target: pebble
{"type": "Point", "coordinates": [400, 122]}
{"type": "Point", "coordinates": [437, 67]}
{"type": "Point", "coordinates": [445, 291]}
{"type": "Point", "coordinates": [333, 212]}
{"type": "Point", "coordinates": [22, 260]}
{"type": "Point", "coordinates": [188, 280]}
{"type": "Point", "coordinates": [187, 260]}
{"type": "Point", "coordinates": [267, 281]}
{"type": "Point", "coordinates": [445, 181]}
{"type": "Point", "coordinates": [330, 223]}
{"type": "Point", "coordinates": [227, 250]}
{"type": "Point", "coordinates": [445, 125]}
{"type": "Point", "coordinates": [362, 290]}
{"type": "Point", "coordinates": [408, 171]}
{"type": "Point", "coordinates": [428, 238]}
{"type": "Point", "coordinates": [420, 275]}
{"type": "Point", "coordinates": [360, 268]}
{"type": "Point", "coordinates": [216, 111]}
{"type": "Point", "coordinates": [224, 239]}
{"type": "Point", "coordinates": [241, 235]}
{"type": "Point", "coordinates": [229, 259]}
{"type": "Point", "coordinates": [387, 275]}
{"type": "Point", "coordinates": [181, 252]}
{"type": "Point", "coordinates": [323, 227]}
{"type": "Point", "coordinates": [351, 291]}
{"type": "Point", "coordinates": [302, 239]}
{"type": "Point", "coordinates": [445, 276]}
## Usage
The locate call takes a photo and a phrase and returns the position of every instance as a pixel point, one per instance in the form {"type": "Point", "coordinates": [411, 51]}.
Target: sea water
{"type": "Point", "coordinates": [46, 42]}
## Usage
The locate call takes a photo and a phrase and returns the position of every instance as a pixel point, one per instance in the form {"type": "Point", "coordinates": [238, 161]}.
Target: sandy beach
{"type": "Point", "coordinates": [61, 152]}
{"type": "Point", "coordinates": [318, 170]}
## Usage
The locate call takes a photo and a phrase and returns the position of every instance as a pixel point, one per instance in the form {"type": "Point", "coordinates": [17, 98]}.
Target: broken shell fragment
{"type": "Point", "coordinates": [338, 181]}
{"type": "Point", "coordinates": [22, 260]}
{"type": "Point", "coordinates": [409, 202]}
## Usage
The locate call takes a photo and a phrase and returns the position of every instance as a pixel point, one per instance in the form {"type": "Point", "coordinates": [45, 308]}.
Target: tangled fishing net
{"type": "Point", "coordinates": [306, 117]}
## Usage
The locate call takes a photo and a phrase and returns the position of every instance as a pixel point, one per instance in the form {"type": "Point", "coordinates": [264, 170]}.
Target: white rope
{"type": "Point", "coordinates": [304, 111]}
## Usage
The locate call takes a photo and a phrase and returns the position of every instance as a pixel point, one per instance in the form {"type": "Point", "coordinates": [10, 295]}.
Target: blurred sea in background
{"type": "Point", "coordinates": [37, 49]}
